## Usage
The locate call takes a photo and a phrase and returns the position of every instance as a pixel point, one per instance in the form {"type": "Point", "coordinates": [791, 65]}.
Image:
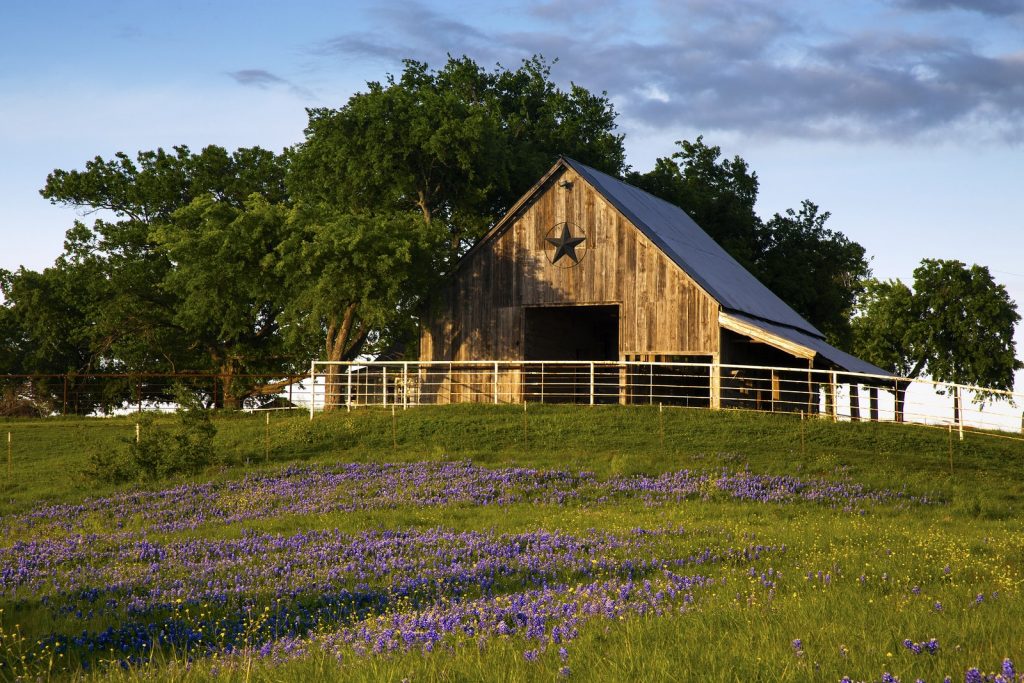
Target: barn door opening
{"type": "Point", "coordinates": [572, 333]}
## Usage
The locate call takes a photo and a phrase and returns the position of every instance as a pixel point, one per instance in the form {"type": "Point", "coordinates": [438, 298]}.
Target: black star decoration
{"type": "Point", "coordinates": [565, 245]}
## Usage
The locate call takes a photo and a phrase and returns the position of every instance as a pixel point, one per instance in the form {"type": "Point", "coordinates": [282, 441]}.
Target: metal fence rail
{"type": "Point", "coordinates": [41, 395]}
{"type": "Point", "coordinates": [838, 395]}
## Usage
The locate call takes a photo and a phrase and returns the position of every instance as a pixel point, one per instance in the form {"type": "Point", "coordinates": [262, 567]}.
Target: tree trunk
{"type": "Point", "coordinates": [229, 401]}
{"type": "Point", "coordinates": [338, 347]}
{"type": "Point", "coordinates": [901, 400]}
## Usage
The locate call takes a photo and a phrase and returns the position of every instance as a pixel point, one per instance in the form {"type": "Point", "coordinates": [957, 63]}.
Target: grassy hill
{"type": "Point", "coordinates": [489, 543]}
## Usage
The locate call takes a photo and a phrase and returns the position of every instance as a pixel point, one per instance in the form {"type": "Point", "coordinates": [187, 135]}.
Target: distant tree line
{"type": "Point", "coordinates": [249, 262]}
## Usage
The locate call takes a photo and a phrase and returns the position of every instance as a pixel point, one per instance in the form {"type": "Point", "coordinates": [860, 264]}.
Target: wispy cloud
{"type": "Point", "coordinates": [260, 78]}
{"type": "Point", "coordinates": [748, 68]}
{"type": "Point", "coordinates": [995, 8]}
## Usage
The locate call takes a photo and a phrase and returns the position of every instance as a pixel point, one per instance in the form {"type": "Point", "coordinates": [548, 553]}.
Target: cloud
{"type": "Point", "coordinates": [259, 78]}
{"type": "Point", "coordinates": [747, 68]}
{"type": "Point", "coordinates": [995, 8]}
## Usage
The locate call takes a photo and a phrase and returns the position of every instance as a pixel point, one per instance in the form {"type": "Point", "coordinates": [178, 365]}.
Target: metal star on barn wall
{"type": "Point", "coordinates": [565, 245]}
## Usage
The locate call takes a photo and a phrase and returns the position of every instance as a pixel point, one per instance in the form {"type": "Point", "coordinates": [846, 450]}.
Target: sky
{"type": "Point", "coordinates": [902, 118]}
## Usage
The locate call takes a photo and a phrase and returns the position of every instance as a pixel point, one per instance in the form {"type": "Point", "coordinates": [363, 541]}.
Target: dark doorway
{"type": "Point", "coordinates": [572, 333]}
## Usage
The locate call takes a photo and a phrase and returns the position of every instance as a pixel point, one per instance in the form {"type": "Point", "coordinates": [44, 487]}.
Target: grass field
{"type": "Point", "coordinates": [489, 543]}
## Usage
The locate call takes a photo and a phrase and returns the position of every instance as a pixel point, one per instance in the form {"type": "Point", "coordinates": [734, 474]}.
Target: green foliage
{"type": "Point", "coordinates": [459, 145]}
{"type": "Point", "coordinates": [719, 194]}
{"type": "Point", "coordinates": [179, 272]}
{"type": "Point", "coordinates": [186, 447]}
{"type": "Point", "coordinates": [354, 275]}
{"type": "Point", "coordinates": [956, 325]}
{"type": "Point", "coordinates": [817, 271]}
{"type": "Point", "coordinates": [882, 327]}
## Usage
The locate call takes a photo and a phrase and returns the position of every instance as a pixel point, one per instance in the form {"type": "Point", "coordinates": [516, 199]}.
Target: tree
{"type": "Point", "coordinates": [354, 276]}
{"type": "Point", "coordinates": [458, 145]}
{"type": "Point", "coordinates": [182, 236]}
{"type": "Point", "coordinates": [719, 194]}
{"type": "Point", "coordinates": [228, 291]}
{"type": "Point", "coordinates": [44, 330]}
{"type": "Point", "coordinates": [956, 325]}
{"type": "Point", "coordinates": [817, 271]}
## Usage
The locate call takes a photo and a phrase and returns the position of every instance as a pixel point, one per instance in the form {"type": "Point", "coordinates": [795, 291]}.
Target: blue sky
{"type": "Point", "coordinates": [903, 118]}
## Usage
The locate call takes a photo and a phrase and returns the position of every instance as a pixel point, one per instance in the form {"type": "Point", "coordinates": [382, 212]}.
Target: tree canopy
{"type": "Point", "coordinates": [956, 324]}
{"type": "Point", "coordinates": [459, 145]}
{"type": "Point", "coordinates": [175, 275]}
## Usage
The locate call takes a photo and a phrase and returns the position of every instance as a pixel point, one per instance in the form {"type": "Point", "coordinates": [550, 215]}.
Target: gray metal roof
{"type": "Point", "coordinates": [818, 345]}
{"type": "Point", "coordinates": [696, 253]}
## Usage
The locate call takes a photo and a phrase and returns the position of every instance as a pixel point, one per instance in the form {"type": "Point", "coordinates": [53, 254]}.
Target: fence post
{"type": "Point", "coordinates": [591, 382]}
{"type": "Point", "coordinates": [834, 390]}
{"type": "Point", "coordinates": [10, 460]}
{"type": "Point", "coordinates": [384, 384]}
{"type": "Point", "coordinates": [495, 382]}
{"type": "Point", "coordinates": [405, 385]}
{"type": "Point", "coordinates": [348, 388]}
{"type": "Point", "coordinates": [312, 387]}
{"type": "Point", "coordinates": [716, 384]}
{"type": "Point", "coordinates": [650, 383]}
{"type": "Point", "coordinates": [542, 389]}
{"type": "Point", "coordinates": [960, 412]}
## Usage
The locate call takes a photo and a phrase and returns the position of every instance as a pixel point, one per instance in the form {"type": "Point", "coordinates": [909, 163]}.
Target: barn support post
{"type": "Point", "coordinates": [854, 402]}
{"type": "Point", "coordinates": [873, 403]}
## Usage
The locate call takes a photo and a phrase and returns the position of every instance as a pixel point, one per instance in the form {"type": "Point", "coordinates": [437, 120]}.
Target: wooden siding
{"type": "Point", "coordinates": [479, 315]}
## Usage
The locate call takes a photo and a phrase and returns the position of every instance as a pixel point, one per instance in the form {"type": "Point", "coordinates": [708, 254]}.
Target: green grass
{"type": "Point", "coordinates": [985, 478]}
{"type": "Point", "coordinates": [887, 566]}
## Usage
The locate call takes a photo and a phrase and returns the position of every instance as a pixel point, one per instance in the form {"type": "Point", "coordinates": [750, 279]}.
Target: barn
{"type": "Point", "coordinates": [586, 271]}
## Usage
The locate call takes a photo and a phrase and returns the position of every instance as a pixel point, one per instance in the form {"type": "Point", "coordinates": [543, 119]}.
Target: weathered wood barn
{"type": "Point", "coordinates": [586, 267]}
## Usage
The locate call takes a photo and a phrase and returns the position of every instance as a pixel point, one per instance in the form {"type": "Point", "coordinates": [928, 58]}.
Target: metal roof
{"type": "Point", "coordinates": [697, 254]}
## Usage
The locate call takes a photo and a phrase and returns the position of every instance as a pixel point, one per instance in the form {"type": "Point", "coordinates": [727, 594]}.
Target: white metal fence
{"type": "Point", "coordinates": [838, 395]}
